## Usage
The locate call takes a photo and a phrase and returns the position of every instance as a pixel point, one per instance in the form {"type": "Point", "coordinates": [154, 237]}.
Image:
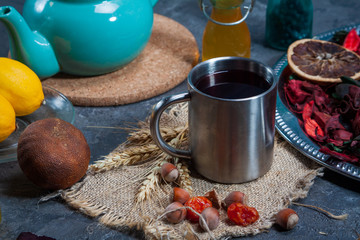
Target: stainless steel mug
{"type": "Point", "coordinates": [230, 140]}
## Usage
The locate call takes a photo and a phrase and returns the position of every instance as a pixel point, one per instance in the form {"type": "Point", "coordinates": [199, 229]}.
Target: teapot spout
{"type": "Point", "coordinates": [27, 46]}
{"type": "Point", "coordinates": [153, 2]}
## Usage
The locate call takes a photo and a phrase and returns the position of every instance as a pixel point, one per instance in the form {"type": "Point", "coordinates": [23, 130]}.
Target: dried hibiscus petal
{"type": "Point", "coordinates": [295, 93]}
{"type": "Point", "coordinates": [313, 129]}
{"type": "Point", "coordinates": [322, 101]}
{"type": "Point", "coordinates": [356, 123]}
{"type": "Point", "coordinates": [342, 135]}
{"type": "Point", "coordinates": [321, 118]}
{"type": "Point", "coordinates": [339, 137]}
{"type": "Point", "coordinates": [335, 131]}
{"type": "Point", "coordinates": [296, 96]}
{"type": "Point", "coordinates": [355, 147]}
{"type": "Point", "coordinates": [350, 102]}
{"type": "Point", "coordinates": [341, 156]}
{"type": "Point", "coordinates": [307, 86]}
{"type": "Point", "coordinates": [308, 110]}
{"type": "Point", "coordinates": [352, 41]}
{"type": "Point", "coordinates": [344, 108]}
{"type": "Point", "coordinates": [299, 92]}
{"type": "Point", "coordinates": [354, 93]}
{"type": "Point", "coordinates": [337, 143]}
{"type": "Point", "coordinates": [333, 124]}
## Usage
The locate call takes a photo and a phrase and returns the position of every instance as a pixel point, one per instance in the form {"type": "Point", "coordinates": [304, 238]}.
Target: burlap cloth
{"type": "Point", "coordinates": [125, 190]}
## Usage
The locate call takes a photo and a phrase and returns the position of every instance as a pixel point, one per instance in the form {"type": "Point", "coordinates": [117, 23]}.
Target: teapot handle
{"type": "Point", "coordinates": [153, 2]}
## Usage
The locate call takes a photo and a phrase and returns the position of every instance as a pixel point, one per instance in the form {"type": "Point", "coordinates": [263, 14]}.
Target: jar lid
{"type": "Point", "coordinates": [227, 4]}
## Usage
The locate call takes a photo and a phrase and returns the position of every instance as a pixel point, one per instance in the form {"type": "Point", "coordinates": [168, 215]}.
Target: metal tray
{"type": "Point", "coordinates": [287, 124]}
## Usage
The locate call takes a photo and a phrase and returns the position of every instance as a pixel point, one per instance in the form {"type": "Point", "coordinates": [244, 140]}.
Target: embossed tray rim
{"type": "Point", "coordinates": [286, 123]}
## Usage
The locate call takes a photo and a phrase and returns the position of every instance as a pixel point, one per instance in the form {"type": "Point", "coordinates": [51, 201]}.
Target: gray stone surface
{"type": "Point", "coordinates": [19, 199]}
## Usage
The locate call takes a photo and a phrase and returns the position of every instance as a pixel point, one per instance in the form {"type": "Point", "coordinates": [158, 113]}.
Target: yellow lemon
{"type": "Point", "coordinates": [7, 119]}
{"type": "Point", "coordinates": [20, 86]}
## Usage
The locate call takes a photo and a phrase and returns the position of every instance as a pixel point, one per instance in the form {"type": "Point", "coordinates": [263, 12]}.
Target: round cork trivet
{"type": "Point", "coordinates": [164, 63]}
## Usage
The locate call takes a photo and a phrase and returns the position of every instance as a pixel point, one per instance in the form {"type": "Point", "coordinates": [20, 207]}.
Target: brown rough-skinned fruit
{"type": "Point", "coordinates": [53, 153]}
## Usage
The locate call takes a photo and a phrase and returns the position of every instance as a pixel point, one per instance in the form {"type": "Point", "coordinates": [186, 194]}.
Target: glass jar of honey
{"type": "Point", "coordinates": [226, 33]}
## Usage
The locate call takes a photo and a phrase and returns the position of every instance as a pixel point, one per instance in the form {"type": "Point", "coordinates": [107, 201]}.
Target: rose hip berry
{"type": "Point", "coordinates": [198, 204]}
{"type": "Point", "coordinates": [241, 214]}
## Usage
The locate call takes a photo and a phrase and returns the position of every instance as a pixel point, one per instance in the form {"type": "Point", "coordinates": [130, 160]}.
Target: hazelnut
{"type": "Point", "coordinates": [287, 218]}
{"type": "Point", "coordinates": [212, 218]}
{"type": "Point", "coordinates": [180, 195]}
{"type": "Point", "coordinates": [169, 172]}
{"type": "Point", "coordinates": [173, 215]}
{"type": "Point", "coordinates": [235, 196]}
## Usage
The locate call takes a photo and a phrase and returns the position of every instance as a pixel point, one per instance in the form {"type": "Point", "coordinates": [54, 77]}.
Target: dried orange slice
{"type": "Point", "coordinates": [322, 61]}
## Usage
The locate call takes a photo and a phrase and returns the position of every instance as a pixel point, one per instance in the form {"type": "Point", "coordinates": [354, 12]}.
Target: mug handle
{"type": "Point", "coordinates": [159, 108]}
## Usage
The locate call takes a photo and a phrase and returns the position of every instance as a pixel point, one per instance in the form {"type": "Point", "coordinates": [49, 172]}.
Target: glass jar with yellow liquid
{"type": "Point", "coordinates": [226, 33]}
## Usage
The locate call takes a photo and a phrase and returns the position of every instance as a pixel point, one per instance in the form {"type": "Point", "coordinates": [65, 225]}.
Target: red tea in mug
{"type": "Point", "coordinates": [232, 84]}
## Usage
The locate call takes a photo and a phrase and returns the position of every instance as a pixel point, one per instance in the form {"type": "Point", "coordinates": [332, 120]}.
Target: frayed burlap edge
{"type": "Point", "coordinates": [157, 228]}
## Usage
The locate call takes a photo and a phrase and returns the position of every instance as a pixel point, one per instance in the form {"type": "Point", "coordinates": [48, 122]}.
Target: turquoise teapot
{"type": "Point", "coordinates": [78, 37]}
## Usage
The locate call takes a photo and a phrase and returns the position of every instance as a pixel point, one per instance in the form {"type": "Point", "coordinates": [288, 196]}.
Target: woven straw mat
{"type": "Point", "coordinates": [113, 188]}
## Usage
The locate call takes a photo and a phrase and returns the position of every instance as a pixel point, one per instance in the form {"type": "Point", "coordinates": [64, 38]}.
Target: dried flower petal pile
{"type": "Point", "coordinates": [329, 115]}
